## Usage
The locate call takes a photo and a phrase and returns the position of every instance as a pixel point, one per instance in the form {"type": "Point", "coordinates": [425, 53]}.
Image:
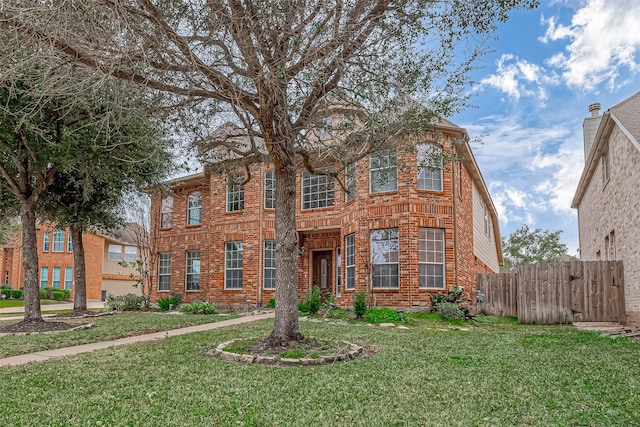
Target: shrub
{"type": "Point", "coordinates": [169, 302]}
{"type": "Point", "coordinates": [339, 313]}
{"type": "Point", "coordinates": [57, 295]}
{"type": "Point", "coordinates": [67, 293]}
{"type": "Point", "coordinates": [449, 310]}
{"type": "Point", "coordinates": [128, 302]}
{"type": "Point", "coordinates": [6, 292]}
{"type": "Point", "coordinates": [311, 304]}
{"type": "Point", "coordinates": [381, 315]}
{"type": "Point", "coordinates": [43, 293]}
{"type": "Point", "coordinates": [272, 303]}
{"type": "Point", "coordinates": [17, 294]}
{"type": "Point", "coordinates": [5, 286]}
{"type": "Point", "coordinates": [359, 304]}
{"type": "Point", "coordinates": [200, 307]}
{"type": "Point", "coordinates": [454, 296]}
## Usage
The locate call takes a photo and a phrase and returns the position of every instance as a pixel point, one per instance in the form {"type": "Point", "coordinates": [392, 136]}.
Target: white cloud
{"type": "Point", "coordinates": [603, 37]}
{"type": "Point", "coordinates": [513, 205]}
{"type": "Point", "coordinates": [518, 77]}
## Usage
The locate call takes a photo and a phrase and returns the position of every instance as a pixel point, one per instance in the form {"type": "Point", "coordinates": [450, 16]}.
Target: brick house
{"type": "Point", "coordinates": [103, 252]}
{"type": "Point", "coordinates": [607, 195]}
{"type": "Point", "coordinates": [397, 231]}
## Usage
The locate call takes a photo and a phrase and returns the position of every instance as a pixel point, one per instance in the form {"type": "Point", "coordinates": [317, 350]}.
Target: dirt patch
{"type": "Point", "coordinates": [32, 326]}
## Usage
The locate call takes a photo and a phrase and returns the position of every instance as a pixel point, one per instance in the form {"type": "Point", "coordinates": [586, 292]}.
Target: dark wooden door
{"type": "Point", "coordinates": [323, 272]}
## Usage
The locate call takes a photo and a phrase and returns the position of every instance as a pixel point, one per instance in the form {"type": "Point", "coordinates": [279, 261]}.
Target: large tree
{"type": "Point", "coordinates": [279, 69]}
{"type": "Point", "coordinates": [527, 246]}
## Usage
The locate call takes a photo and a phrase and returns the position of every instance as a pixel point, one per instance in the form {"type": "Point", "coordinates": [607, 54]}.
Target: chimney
{"type": "Point", "coordinates": [590, 127]}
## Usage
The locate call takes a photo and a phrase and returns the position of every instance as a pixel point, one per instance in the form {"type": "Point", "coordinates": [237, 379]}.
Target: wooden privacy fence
{"type": "Point", "coordinates": [577, 291]}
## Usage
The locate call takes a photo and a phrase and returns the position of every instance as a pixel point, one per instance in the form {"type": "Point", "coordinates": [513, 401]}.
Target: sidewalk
{"type": "Point", "coordinates": [86, 348]}
{"type": "Point", "coordinates": [49, 307]}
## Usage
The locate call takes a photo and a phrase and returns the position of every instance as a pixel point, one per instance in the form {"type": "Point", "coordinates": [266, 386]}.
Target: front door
{"type": "Point", "coordinates": [322, 273]}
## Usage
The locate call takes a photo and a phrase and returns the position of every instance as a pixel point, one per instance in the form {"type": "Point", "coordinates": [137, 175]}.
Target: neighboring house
{"type": "Point", "coordinates": [607, 196]}
{"type": "Point", "coordinates": [397, 231]}
{"type": "Point", "coordinates": [103, 254]}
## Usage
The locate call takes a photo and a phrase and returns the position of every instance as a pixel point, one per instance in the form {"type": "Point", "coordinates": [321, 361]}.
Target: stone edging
{"type": "Point", "coordinates": [355, 351]}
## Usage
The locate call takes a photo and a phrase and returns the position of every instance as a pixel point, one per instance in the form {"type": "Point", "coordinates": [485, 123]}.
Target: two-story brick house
{"type": "Point", "coordinates": [607, 195]}
{"type": "Point", "coordinates": [396, 229]}
{"type": "Point", "coordinates": [104, 253]}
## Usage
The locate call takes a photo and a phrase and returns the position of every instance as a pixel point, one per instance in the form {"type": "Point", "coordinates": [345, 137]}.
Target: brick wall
{"type": "Point", "coordinates": [406, 209]}
{"type": "Point", "coordinates": [614, 206]}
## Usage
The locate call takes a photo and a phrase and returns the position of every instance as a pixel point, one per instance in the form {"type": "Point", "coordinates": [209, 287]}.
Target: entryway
{"type": "Point", "coordinates": [322, 268]}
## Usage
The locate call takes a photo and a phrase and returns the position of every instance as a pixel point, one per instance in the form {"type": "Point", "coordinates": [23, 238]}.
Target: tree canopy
{"type": "Point", "coordinates": [526, 246]}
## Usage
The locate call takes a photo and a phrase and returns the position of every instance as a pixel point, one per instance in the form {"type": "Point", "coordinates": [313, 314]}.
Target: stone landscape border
{"type": "Point", "coordinates": [354, 351]}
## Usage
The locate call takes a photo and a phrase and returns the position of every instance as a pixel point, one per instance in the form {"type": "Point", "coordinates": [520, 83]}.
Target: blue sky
{"type": "Point", "coordinates": [532, 95]}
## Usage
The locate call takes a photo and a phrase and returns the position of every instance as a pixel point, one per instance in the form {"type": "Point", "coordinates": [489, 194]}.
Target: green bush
{"type": "Point", "coordinates": [43, 293]}
{"type": "Point", "coordinates": [57, 295]}
{"type": "Point", "coordinates": [272, 303]}
{"type": "Point", "coordinates": [455, 296]}
{"type": "Point", "coordinates": [128, 302]}
{"type": "Point", "coordinates": [67, 293]}
{"type": "Point", "coordinates": [360, 304]}
{"type": "Point", "coordinates": [449, 310]}
{"type": "Point", "coordinates": [382, 315]}
{"type": "Point", "coordinates": [311, 304]}
{"type": "Point", "coordinates": [169, 302]}
{"type": "Point", "coordinates": [200, 307]}
{"type": "Point", "coordinates": [339, 313]}
{"type": "Point", "coordinates": [6, 292]}
{"type": "Point", "coordinates": [17, 293]}
{"type": "Point", "coordinates": [5, 286]}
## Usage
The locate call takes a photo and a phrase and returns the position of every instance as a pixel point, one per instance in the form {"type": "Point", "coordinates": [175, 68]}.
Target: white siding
{"type": "Point", "coordinates": [484, 244]}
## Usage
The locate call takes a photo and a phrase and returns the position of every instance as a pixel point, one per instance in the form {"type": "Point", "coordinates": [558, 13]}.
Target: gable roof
{"type": "Point", "coordinates": [625, 116]}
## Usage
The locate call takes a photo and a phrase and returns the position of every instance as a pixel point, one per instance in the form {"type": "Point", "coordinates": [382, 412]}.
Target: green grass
{"type": "Point", "coordinates": [496, 374]}
{"type": "Point", "coordinates": [106, 328]}
{"type": "Point", "coordinates": [20, 303]}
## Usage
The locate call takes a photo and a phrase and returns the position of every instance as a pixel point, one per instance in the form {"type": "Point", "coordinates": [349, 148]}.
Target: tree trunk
{"type": "Point", "coordinates": [80, 273]}
{"type": "Point", "coordinates": [30, 262]}
{"type": "Point", "coordinates": [286, 317]}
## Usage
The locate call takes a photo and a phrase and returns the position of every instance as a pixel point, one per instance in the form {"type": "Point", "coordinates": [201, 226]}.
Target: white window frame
{"type": "Point", "coordinates": [192, 271]}
{"type": "Point", "coordinates": [111, 251]}
{"type": "Point", "coordinates": [46, 242]}
{"type": "Point", "coordinates": [270, 189]}
{"type": "Point", "coordinates": [269, 263]}
{"type": "Point", "coordinates": [235, 192]}
{"type": "Point", "coordinates": [44, 277]}
{"type": "Point", "coordinates": [68, 278]}
{"type": "Point", "coordinates": [166, 212]}
{"type": "Point", "coordinates": [383, 165]}
{"type": "Point", "coordinates": [338, 272]}
{"type": "Point", "coordinates": [233, 258]}
{"type": "Point", "coordinates": [194, 206]}
{"type": "Point", "coordinates": [385, 250]}
{"type": "Point", "coordinates": [164, 272]}
{"type": "Point", "coordinates": [69, 243]}
{"type": "Point", "coordinates": [317, 191]}
{"type": "Point", "coordinates": [350, 262]}
{"type": "Point", "coordinates": [58, 241]}
{"type": "Point", "coordinates": [130, 253]}
{"type": "Point", "coordinates": [55, 277]}
{"type": "Point", "coordinates": [429, 159]}
{"type": "Point", "coordinates": [350, 182]}
{"type": "Point", "coordinates": [431, 258]}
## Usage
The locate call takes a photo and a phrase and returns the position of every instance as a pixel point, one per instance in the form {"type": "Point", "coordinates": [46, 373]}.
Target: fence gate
{"type": "Point", "coordinates": [577, 291]}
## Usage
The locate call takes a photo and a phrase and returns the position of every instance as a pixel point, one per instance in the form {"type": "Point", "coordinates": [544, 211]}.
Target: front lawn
{"type": "Point", "coordinates": [20, 303]}
{"type": "Point", "coordinates": [495, 374]}
{"type": "Point", "coordinates": [106, 328]}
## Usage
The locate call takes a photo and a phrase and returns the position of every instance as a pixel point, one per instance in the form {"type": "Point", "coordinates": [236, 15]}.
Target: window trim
{"type": "Point", "coordinates": [109, 252]}
{"type": "Point", "coordinates": [322, 198]}
{"type": "Point", "coordinates": [239, 249]}
{"type": "Point", "coordinates": [44, 277]}
{"type": "Point", "coordinates": [350, 261]}
{"type": "Point", "coordinates": [46, 241]}
{"type": "Point", "coordinates": [424, 260]}
{"type": "Point", "coordinates": [264, 264]}
{"type": "Point", "coordinates": [55, 270]}
{"type": "Point", "coordinates": [192, 209]}
{"type": "Point", "coordinates": [396, 263]}
{"type": "Point", "coordinates": [166, 213]}
{"type": "Point", "coordinates": [135, 252]}
{"type": "Point", "coordinates": [69, 243]}
{"type": "Point", "coordinates": [60, 241]}
{"type": "Point", "coordinates": [191, 271]}
{"type": "Point", "coordinates": [431, 169]}
{"type": "Point", "coordinates": [391, 164]}
{"type": "Point", "coordinates": [164, 270]}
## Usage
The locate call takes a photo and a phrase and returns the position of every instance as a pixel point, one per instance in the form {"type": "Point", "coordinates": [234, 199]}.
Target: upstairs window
{"type": "Point", "coordinates": [194, 208]}
{"type": "Point", "coordinates": [58, 241]}
{"type": "Point", "coordinates": [383, 171]}
{"type": "Point", "coordinates": [69, 243]}
{"type": "Point", "coordinates": [606, 168]}
{"type": "Point", "coordinates": [130, 253]}
{"type": "Point", "coordinates": [317, 191]}
{"type": "Point", "coordinates": [166, 212]}
{"type": "Point", "coordinates": [45, 242]}
{"type": "Point", "coordinates": [350, 181]}
{"type": "Point", "coordinates": [269, 190]}
{"type": "Point", "coordinates": [235, 192]}
{"type": "Point", "coordinates": [429, 167]}
{"type": "Point", "coordinates": [114, 253]}
{"type": "Point", "coordinates": [384, 258]}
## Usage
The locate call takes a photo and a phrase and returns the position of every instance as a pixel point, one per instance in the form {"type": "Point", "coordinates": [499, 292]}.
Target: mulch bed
{"type": "Point", "coordinates": [31, 326]}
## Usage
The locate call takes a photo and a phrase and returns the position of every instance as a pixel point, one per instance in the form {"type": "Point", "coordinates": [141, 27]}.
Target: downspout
{"type": "Point", "coordinates": [458, 171]}
{"type": "Point", "coordinates": [260, 237]}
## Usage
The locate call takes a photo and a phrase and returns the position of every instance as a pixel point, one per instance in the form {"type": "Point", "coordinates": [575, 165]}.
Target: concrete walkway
{"type": "Point", "coordinates": [86, 348]}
